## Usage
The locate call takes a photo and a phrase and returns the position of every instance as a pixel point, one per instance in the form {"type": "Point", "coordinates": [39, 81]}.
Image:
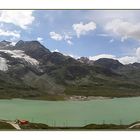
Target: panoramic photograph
{"type": "Point", "coordinates": [69, 70]}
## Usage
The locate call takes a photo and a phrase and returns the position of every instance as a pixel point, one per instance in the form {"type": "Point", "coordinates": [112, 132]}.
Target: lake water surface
{"type": "Point", "coordinates": [72, 113]}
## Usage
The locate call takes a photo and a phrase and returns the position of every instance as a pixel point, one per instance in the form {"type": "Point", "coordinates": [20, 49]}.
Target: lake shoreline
{"type": "Point", "coordinates": [14, 125]}
{"type": "Point", "coordinates": [70, 98]}
{"type": "Point", "coordinates": [86, 98]}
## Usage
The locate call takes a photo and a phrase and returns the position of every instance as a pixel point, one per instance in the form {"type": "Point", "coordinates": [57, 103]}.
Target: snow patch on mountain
{"type": "Point", "coordinates": [3, 64]}
{"type": "Point", "coordinates": [20, 54]}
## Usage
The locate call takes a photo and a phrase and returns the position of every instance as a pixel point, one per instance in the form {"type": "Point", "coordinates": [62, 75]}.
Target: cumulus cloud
{"type": "Point", "coordinates": [128, 59]}
{"type": "Point", "coordinates": [21, 18]}
{"type": "Point", "coordinates": [138, 52]}
{"type": "Point", "coordinates": [40, 39]}
{"type": "Point", "coordinates": [124, 60]}
{"type": "Point", "coordinates": [59, 37]}
{"type": "Point", "coordinates": [131, 59]}
{"type": "Point", "coordinates": [7, 33]}
{"type": "Point", "coordinates": [68, 39]}
{"type": "Point", "coordinates": [82, 29]}
{"type": "Point", "coordinates": [124, 29]}
{"type": "Point", "coordinates": [102, 56]}
{"type": "Point", "coordinates": [56, 36]}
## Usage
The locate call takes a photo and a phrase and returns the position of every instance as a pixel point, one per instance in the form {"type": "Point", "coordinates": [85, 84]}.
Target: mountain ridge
{"type": "Point", "coordinates": [30, 70]}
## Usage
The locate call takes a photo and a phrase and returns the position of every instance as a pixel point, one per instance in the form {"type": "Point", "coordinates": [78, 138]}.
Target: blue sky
{"type": "Point", "coordinates": [91, 33]}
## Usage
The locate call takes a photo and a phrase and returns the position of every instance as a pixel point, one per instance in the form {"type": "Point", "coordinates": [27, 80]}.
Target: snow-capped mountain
{"type": "Point", "coordinates": [29, 70]}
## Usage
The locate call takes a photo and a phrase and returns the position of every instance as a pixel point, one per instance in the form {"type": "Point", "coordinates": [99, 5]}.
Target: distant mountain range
{"type": "Point", "coordinates": [29, 70]}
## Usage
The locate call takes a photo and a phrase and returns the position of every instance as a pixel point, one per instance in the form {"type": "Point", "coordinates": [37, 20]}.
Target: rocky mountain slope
{"type": "Point", "coordinates": [29, 70]}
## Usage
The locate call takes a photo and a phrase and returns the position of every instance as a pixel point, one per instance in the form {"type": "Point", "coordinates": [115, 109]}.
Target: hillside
{"type": "Point", "coordinates": [30, 70]}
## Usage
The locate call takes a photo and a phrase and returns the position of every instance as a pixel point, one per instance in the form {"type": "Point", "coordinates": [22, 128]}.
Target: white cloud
{"type": "Point", "coordinates": [124, 60]}
{"type": "Point", "coordinates": [72, 55]}
{"type": "Point", "coordinates": [14, 34]}
{"type": "Point", "coordinates": [131, 59]}
{"type": "Point", "coordinates": [56, 36]}
{"type": "Point", "coordinates": [67, 54]}
{"type": "Point", "coordinates": [14, 40]}
{"type": "Point", "coordinates": [128, 59]}
{"type": "Point", "coordinates": [103, 35]}
{"type": "Point", "coordinates": [124, 29]}
{"type": "Point", "coordinates": [138, 52]}
{"type": "Point", "coordinates": [40, 39]}
{"type": "Point", "coordinates": [69, 42]}
{"type": "Point", "coordinates": [102, 56]}
{"type": "Point", "coordinates": [82, 29]}
{"type": "Point", "coordinates": [56, 50]}
{"type": "Point", "coordinates": [21, 18]}
{"type": "Point", "coordinates": [103, 16]}
{"type": "Point", "coordinates": [111, 40]}
{"type": "Point", "coordinates": [67, 37]}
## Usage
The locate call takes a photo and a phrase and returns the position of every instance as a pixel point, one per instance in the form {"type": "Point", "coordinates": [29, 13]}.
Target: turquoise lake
{"type": "Point", "coordinates": [72, 113]}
